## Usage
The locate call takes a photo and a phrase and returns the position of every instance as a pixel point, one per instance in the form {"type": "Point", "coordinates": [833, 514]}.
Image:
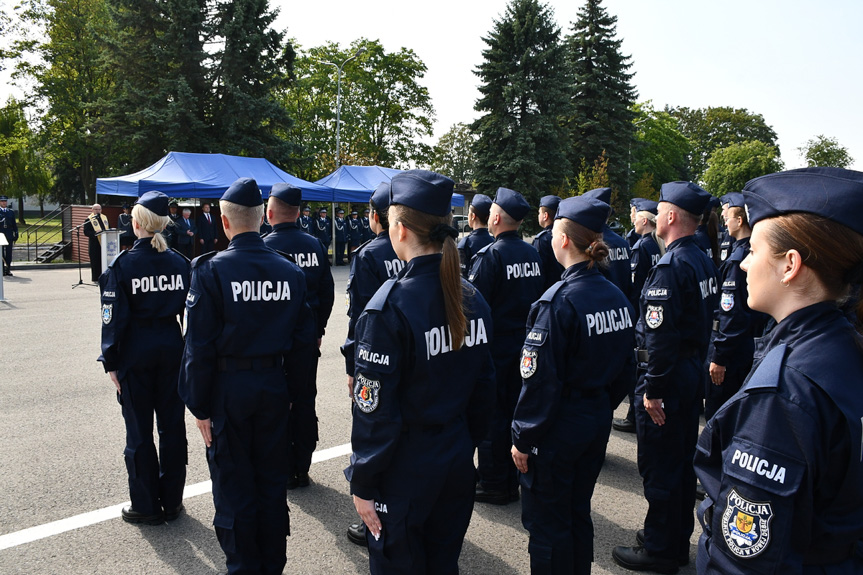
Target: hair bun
{"type": "Point", "coordinates": [441, 232]}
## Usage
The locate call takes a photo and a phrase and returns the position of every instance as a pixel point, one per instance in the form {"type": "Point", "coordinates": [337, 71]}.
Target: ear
{"type": "Point", "coordinates": [269, 214]}
{"type": "Point", "coordinates": [564, 241]}
{"type": "Point", "coordinates": [401, 232]}
{"type": "Point", "coordinates": [225, 223]}
{"type": "Point", "coordinates": [792, 266]}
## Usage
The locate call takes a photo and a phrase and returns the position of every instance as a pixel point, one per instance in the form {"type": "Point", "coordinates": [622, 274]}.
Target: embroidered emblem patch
{"type": "Point", "coordinates": [348, 302]}
{"type": "Point", "coordinates": [528, 363]}
{"type": "Point", "coordinates": [746, 525]}
{"type": "Point", "coordinates": [653, 317]}
{"type": "Point", "coordinates": [723, 254]}
{"type": "Point", "coordinates": [107, 313]}
{"type": "Point", "coordinates": [727, 301]}
{"type": "Point", "coordinates": [366, 393]}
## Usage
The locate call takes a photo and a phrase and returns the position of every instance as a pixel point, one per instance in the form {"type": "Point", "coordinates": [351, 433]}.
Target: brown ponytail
{"type": "Point", "coordinates": [586, 241]}
{"type": "Point", "coordinates": [438, 230]}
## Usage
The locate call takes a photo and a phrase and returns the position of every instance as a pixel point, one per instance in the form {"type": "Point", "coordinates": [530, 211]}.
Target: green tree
{"type": "Point", "coordinates": [23, 170]}
{"type": "Point", "coordinates": [525, 90]}
{"type": "Point", "coordinates": [729, 168]}
{"type": "Point", "coordinates": [602, 116]}
{"type": "Point", "coordinates": [252, 65]}
{"type": "Point", "coordinates": [660, 150]}
{"type": "Point", "coordinates": [825, 152]}
{"type": "Point", "coordinates": [709, 129]}
{"type": "Point", "coordinates": [453, 154]}
{"type": "Point", "coordinates": [385, 112]}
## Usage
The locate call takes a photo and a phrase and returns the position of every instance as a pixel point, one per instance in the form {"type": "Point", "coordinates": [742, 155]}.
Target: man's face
{"type": "Point", "coordinates": [187, 213]}
{"type": "Point", "coordinates": [172, 209]}
{"type": "Point", "coordinates": [662, 219]}
{"type": "Point", "coordinates": [97, 209]}
{"type": "Point", "coordinates": [3, 203]}
{"type": "Point", "coordinates": [206, 208]}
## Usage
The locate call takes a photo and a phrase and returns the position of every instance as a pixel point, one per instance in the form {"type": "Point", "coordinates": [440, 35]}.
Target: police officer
{"type": "Point", "coordinates": [644, 255]}
{"type": "Point", "coordinates": [373, 264]}
{"type": "Point", "coordinates": [283, 211]}
{"type": "Point", "coordinates": [672, 332]}
{"type": "Point", "coordinates": [94, 225]}
{"type": "Point", "coordinates": [478, 238]}
{"type": "Point", "coordinates": [632, 236]}
{"type": "Point", "coordinates": [355, 234]}
{"type": "Point", "coordinates": [246, 314]}
{"type": "Point", "coordinates": [617, 269]}
{"type": "Point", "coordinates": [579, 343]}
{"type": "Point", "coordinates": [143, 292]}
{"type": "Point", "coordinates": [551, 268]}
{"type": "Point", "coordinates": [736, 326]}
{"type": "Point", "coordinates": [707, 234]}
{"type": "Point", "coordinates": [726, 241]}
{"type": "Point", "coordinates": [341, 237]}
{"type": "Point", "coordinates": [172, 228]}
{"type": "Point", "coordinates": [9, 228]}
{"type": "Point", "coordinates": [124, 224]}
{"type": "Point", "coordinates": [781, 461]}
{"type": "Point", "coordinates": [411, 471]}
{"type": "Point", "coordinates": [366, 227]}
{"type": "Point", "coordinates": [305, 221]}
{"type": "Point", "coordinates": [321, 227]}
{"type": "Point", "coordinates": [508, 274]}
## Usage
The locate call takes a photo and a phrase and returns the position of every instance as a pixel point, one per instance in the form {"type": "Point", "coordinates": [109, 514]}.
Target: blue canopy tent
{"type": "Point", "coordinates": [184, 175]}
{"type": "Point", "coordinates": [355, 184]}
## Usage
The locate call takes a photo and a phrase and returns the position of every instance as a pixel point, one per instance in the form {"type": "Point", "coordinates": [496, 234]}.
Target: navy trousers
{"type": "Point", "coordinates": [496, 470]}
{"type": "Point", "coordinates": [558, 486]}
{"type": "Point", "coordinates": [304, 420]}
{"type": "Point", "coordinates": [154, 482]}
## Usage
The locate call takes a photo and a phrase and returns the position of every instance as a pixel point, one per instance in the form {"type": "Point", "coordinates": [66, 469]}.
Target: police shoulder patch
{"type": "Point", "coordinates": [746, 525]}
{"type": "Point", "coordinates": [107, 313]}
{"type": "Point", "coordinates": [654, 316]}
{"type": "Point", "coordinates": [366, 393]}
{"type": "Point", "coordinates": [528, 363]}
{"type": "Point", "coordinates": [727, 301]}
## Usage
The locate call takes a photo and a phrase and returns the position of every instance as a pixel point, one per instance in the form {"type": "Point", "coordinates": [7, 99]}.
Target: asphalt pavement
{"type": "Point", "coordinates": [63, 479]}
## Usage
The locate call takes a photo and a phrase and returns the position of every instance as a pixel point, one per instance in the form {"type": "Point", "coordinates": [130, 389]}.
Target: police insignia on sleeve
{"type": "Point", "coordinates": [727, 301]}
{"type": "Point", "coordinates": [528, 363]}
{"type": "Point", "coordinates": [107, 313]}
{"type": "Point", "coordinates": [746, 525]}
{"type": "Point", "coordinates": [653, 317]}
{"type": "Point", "coordinates": [366, 393]}
{"type": "Point", "coordinates": [348, 302]}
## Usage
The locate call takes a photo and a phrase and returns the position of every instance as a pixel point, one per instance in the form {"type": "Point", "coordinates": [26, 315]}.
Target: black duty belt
{"type": "Point", "coordinates": [432, 428]}
{"type": "Point", "coordinates": [155, 321]}
{"type": "Point", "coordinates": [642, 355]}
{"type": "Point", "coordinates": [571, 393]}
{"type": "Point", "coordinates": [716, 325]}
{"type": "Point", "coordinates": [248, 363]}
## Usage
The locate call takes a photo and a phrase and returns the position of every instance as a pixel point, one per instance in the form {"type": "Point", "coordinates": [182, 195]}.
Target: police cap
{"type": "Point", "coordinates": [685, 195]}
{"type": "Point", "coordinates": [601, 194]}
{"type": "Point", "coordinates": [832, 193]}
{"type": "Point", "coordinates": [244, 192]}
{"type": "Point", "coordinates": [422, 190]}
{"type": "Point", "coordinates": [481, 205]}
{"type": "Point", "coordinates": [306, 209]}
{"type": "Point", "coordinates": [381, 197]}
{"type": "Point", "coordinates": [584, 210]}
{"type": "Point", "coordinates": [512, 203]}
{"type": "Point", "coordinates": [634, 202]}
{"type": "Point", "coordinates": [712, 203]}
{"type": "Point", "coordinates": [645, 205]}
{"type": "Point", "coordinates": [291, 195]}
{"type": "Point", "coordinates": [322, 210]}
{"type": "Point", "coordinates": [339, 211]}
{"type": "Point", "coordinates": [549, 202]}
{"type": "Point", "coordinates": [4, 199]}
{"type": "Point", "coordinates": [733, 199]}
{"type": "Point", "coordinates": [365, 211]}
{"type": "Point", "coordinates": [354, 213]}
{"type": "Point", "coordinates": [156, 202]}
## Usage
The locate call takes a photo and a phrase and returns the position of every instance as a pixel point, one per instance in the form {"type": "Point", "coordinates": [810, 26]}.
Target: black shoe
{"type": "Point", "coordinates": [700, 493]}
{"type": "Point", "coordinates": [357, 534]}
{"type": "Point", "coordinates": [493, 496]}
{"type": "Point", "coordinates": [682, 560]}
{"type": "Point", "coordinates": [293, 482]}
{"type": "Point", "coordinates": [623, 425]}
{"type": "Point", "coordinates": [132, 516]}
{"type": "Point", "coordinates": [638, 559]}
{"type": "Point", "coordinates": [172, 514]}
{"type": "Point", "coordinates": [303, 480]}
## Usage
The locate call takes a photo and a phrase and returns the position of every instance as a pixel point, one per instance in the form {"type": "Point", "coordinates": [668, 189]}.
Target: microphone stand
{"type": "Point", "coordinates": [77, 230]}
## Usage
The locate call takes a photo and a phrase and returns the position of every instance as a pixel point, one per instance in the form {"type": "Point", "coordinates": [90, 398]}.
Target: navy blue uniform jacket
{"type": "Point", "coordinates": [407, 373]}
{"type": "Point", "coordinates": [551, 268]}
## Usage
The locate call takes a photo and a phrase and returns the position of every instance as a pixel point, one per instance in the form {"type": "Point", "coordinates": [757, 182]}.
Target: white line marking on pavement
{"type": "Point", "coordinates": [113, 512]}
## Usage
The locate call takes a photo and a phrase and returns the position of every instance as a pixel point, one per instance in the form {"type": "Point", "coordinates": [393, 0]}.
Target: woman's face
{"type": "Point", "coordinates": [764, 271]}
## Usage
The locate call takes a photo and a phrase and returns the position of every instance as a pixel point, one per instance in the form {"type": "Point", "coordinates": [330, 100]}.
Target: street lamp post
{"type": "Point", "coordinates": [339, 68]}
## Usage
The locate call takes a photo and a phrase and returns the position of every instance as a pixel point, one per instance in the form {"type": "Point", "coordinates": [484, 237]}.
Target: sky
{"type": "Point", "coordinates": [797, 63]}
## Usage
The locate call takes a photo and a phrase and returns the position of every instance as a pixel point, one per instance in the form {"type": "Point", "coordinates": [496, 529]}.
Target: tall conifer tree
{"type": "Point", "coordinates": [602, 105]}
{"type": "Point", "coordinates": [525, 91]}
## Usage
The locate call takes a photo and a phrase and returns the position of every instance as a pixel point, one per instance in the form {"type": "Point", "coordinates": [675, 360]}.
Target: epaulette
{"type": "Point", "coordinates": [182, 255]}
{"type": "Point", "coordinates": [549, 293]}
{"type": "Point", "coordinates": [121, 254]}
{"type": "Point", "coordinates": [666, 258]}
{"type": "Point", "coordinates": [769, 370]}
{"type": "Point", "coordinates": [380, 298]}
{"type": "Point", "coordinates": [361, 246]}
{"type": "Point", "coordinates": [483, 249]}
{"type": "Point", "coordinates": [287, 256]}
{"type": "Point", "coordinates": [200, 259]}
{"type": "Point", "coordinates": [736, 255]}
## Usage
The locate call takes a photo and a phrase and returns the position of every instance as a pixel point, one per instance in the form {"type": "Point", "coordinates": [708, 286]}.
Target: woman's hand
{"type": "Point", "coordinates": [366, 509]}
{"type": "Point", "coordinates": [206, 428]}
{"type": "Point", "coordinates": [520, 459]}
{"type": "Point", "coordinates": [113, 376]}
{"type": "Point", "coordinates": [717, 373]}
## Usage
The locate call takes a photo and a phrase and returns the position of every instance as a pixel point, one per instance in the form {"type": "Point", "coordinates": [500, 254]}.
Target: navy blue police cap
{"type": "Point", "coordinates": [381, 197]}
{"type": "Point", "coordinates": [354, 213]}
{"type": "Point", "coordinates": [685, 195]}
{"type": "Point", "coordinates": [645, 205]}
{"type": "Point", "coordinates": [584, 210]}
{"type": "Point", "coordinates": [832, 193]}
{"type": "Point", "coordinates": [322, 209]}
{"type": "Point", "coordinates": [713, 203]}
{"type": "Point", "coordinates": [425, 191]}
{"type": "Point", "coordinates": [340, 211]}
{"type": "Point", "coordinates": [601, 194]}
{"type": "Point", "coordinates": [244, 192]}
{"type": "Point", "coordinates": [306, 209]}
{"type": "Point", "coordinates": [365, 211]}
{"type": "Point", "coordinates": [481, 205]}
{"type": "Point", "coordinates": [512, 203]}
{"type": "Point", "coordinates": [156, 202]}
{"type": "Point", "coordinates": [291, 195]}
{"type": "Point", "coordinates": [549, 202]}
{"type": "Point", "coordinates": [733, 199]}
{"type": "Point", "coordinates": [4, 199]}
